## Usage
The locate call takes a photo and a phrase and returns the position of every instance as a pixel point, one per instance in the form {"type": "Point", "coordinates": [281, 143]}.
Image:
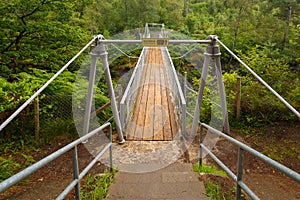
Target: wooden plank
{"type": "Point", "coordinates": [133, 129]}
{"type": "Point", "coordinates": [172, 111]}
{"type": "Point", "coordinates": [149, 114]}
{"type": "Point", "coordinates": [167, 125]}
{"type": "Point", "coordinates": [159, 117]}
{"type": "Point", "coordinates": [142, 113]}
{"type": "Point", "coordinates": [154, 111]}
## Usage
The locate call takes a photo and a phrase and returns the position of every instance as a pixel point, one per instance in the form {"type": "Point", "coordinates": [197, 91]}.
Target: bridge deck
{"type": "Point", "coordinates": [154, 113]}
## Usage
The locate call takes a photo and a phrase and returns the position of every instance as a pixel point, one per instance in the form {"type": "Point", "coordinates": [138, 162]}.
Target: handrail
{"type": "Point", "coordinates": [77, 177]}
{"type": "Point", "coordinates": [179, 89]}
{"type": "Point", "coordinates": [138, 69]}
{"type": "Point", "coordinates": [132, 78]}
{"type": "Point", "coordinates": [242, 147]}
{"type": "Point", "coordinates": [262, 81]}
{"type": "Point", "coordinates": [6, 122]}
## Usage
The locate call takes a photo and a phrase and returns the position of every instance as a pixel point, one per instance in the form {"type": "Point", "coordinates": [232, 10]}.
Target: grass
{"type": "Point", "coordinates": [7, 168]}
{"type": "Point", "coordinates": [209, 170]}
{"type": "Point", "coordinates": [96, 187]}
{"type": "Point", "coordinates": [214, 189]}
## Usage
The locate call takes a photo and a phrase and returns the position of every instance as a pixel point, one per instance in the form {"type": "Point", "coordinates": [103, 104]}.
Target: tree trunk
{"type": "Point", "coordinates": [237, 27]}
{"type": "Point", "coordinates": [288, 21]}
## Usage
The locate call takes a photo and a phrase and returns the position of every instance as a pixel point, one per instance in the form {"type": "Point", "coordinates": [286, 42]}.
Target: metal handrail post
{"type": "Point", "coordinates": [183, 120]}
{"type": "Point", "coordinates": [76, 172]}
{"type": "Point", "coordinates": [201, 151]}
{"type": "Point", "coordinates": [110, 151]}
{"type": "Point", "coordinates": [185, 85]}
{"type": "Point", "coordinates": [103, 55]}
{"type": "Point", "coordinates": [239, 173]}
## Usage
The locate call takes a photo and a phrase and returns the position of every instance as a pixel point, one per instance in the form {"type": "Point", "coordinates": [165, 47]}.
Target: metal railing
{"type": "Point", "coordinates": [75, 184]}
{"type": "Point", "coordinates": [289, 106]}
{"type": "Point", "coordinates": [238, 178]}
{"type": "Point", "coordinates": [154, 30]}
{"type": "Point", "coordinates": [129, 96]}
{"type": "Point", "coordinates": [176, 89]}
{"type": "Point", "coordinates": [242, 147]}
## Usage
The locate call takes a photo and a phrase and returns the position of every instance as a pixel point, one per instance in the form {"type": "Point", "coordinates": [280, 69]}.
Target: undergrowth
{"type": "Point", "coordinates": [95, 187]}
{"type": "Point", "coordinates": [209, 170]}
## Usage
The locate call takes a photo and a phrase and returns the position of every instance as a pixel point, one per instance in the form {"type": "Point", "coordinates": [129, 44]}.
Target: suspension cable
{"type": "Point", "coordinates": [120, 50]}
{"type": "Point", "coordinates": [125, 54]}
{"type": "Point", "coordinates": [261, 80]}
{"type": "Point", "coordinates": [6, 122]}
{"type": "Point", "coordinates": [186, 53]}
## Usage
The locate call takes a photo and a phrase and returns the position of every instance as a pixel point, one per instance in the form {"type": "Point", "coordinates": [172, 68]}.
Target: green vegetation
{"type": "Point", "coordinates": [214, 191]}
{"type": "Point", "coordinates": [39, 37]}
{"type": "Point", "coordinates": [96, 187]}
{"type": "Point", "coordinates": [209, 170]}
{"type": "Point", "coordinates": [7, 168]}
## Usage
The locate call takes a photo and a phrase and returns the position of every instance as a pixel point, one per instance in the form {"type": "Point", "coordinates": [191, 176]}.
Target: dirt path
{"type": "Point", "coordinates": [52, 179]}
{"type": "Point", "coordinates": [280, 142]}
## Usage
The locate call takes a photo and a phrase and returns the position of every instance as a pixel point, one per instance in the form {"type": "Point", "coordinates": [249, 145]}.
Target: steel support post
{"type": "Point", "coordinates": [88, 107]}
{"type": "Point", "coordinates": [103, 55]}
{"type": "Point", "coordinates": [201, 92]}
{"type": "Point", "coordinates": [110, 151]}
{"type": "Point", "coordinates": [217, 55]}
{"type": "Point", "coordinates": [201, 150]}
{"type": "Point", "coordinates": [212, 51]}
{"type": "Point", "coordinates": [239, 173]}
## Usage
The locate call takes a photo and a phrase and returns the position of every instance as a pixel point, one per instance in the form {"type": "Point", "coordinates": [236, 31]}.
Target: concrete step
{"type": "Point", "coordinates": [177, 181]}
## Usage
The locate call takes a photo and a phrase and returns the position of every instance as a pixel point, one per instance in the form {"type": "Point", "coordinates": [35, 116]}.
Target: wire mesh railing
{"type": "Point", "coordinates": [130, 94]}
{"type": "Point", "coordinates": [177, 93]}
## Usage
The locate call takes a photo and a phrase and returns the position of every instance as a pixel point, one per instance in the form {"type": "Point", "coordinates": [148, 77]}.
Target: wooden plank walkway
{"type": "Point", "coordinates": [154, 114]}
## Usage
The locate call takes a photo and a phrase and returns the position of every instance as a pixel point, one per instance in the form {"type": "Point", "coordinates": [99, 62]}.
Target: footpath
{"type": "Point", "coordinates": [175, 181]}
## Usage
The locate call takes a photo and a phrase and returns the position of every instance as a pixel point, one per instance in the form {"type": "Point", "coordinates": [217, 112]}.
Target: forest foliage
{"type": "Point", "coordinates": [39, 36]}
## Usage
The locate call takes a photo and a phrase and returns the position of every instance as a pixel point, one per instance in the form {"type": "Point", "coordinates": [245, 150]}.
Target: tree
{"type": "Point", "coordinates": [37, 34]}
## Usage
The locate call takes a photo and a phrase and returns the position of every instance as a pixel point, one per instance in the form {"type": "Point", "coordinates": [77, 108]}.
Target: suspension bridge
{"type": "Point", "coordinates": [153, 107]}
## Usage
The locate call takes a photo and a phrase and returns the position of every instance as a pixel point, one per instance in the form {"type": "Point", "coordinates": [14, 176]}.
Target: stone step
{"type": "Point", "coordinates": [176, 181]}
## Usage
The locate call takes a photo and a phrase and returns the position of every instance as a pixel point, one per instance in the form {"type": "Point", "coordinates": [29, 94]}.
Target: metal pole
{"type": "Point", "coordinates": [103, 54]}
{"type": "Point", "coordinates": [217, 55]}
{"type": "Point", "coordinates": [76, 172]}
{"type": "Point", "coordinates": [6, 122]}
{"type": "Point", "coordinates": [110, 151]}
{"type": "Point", "coordinates": [201, 140]}
{"type": "Point", "coordinates": [201, 92]}
{"type": "Point", "coordinates": [185, 84]}
{"type": "Point", "coordinates": [262, 81]}
{"type": "Point", "coordinates": [183, 120]}
{"type": "Point", "coordinates": [89, 101]}
{"type": "Point", "coordinates": [240, 173]}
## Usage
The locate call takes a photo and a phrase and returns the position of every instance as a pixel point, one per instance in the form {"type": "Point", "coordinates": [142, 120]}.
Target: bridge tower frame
{"type": "Point", "coordinates": [212, 51]}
